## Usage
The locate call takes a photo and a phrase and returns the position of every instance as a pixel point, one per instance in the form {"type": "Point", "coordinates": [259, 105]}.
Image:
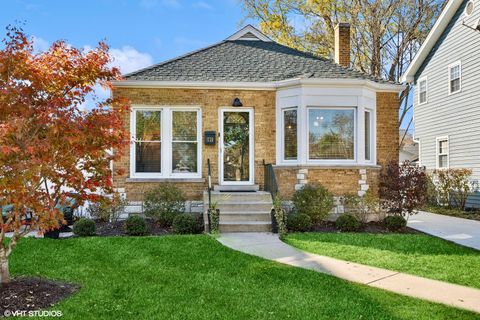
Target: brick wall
{"type": "Point", "coordinates": [387, 127]}
{"type": "Point", "coordinates": [342, 44]}
{"type": "Point", "coordinates": [263, 103]}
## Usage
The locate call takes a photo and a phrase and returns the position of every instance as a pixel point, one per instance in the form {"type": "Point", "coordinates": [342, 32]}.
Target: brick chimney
{"type": "Point", "coordinates": [342, 44]}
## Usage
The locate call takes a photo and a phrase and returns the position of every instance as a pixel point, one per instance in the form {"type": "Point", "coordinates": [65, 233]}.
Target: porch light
{"type": "Point", "coordinates": [237, 103]}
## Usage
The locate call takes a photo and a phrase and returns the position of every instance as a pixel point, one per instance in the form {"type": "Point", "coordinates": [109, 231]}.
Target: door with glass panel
{"type": "Point", "coordinates": [236, 147]}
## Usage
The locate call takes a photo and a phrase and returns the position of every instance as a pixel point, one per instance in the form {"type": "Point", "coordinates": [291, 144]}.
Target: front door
{"type": "Point", "coordinates": [236, 146]}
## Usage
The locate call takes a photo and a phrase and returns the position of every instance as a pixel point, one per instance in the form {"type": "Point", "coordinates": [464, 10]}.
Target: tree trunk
{"type": "Point", "coordinates": [4, 272]}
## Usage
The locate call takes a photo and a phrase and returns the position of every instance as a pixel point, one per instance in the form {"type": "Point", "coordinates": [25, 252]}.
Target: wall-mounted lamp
{"type": "Point", "coordinates": [237, 103]}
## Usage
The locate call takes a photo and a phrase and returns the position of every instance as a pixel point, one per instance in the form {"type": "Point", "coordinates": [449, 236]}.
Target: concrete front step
{"type": "Point", "coordinates": [242, 211]}
{"type": "Point", "coordinates": [221, 197]}
{"type": "Point", "coordinates": [245, 206]}
{"type": "Point", "coordinates": [240, 216]}
{"type": "Point", "coordinates": [240, 226]}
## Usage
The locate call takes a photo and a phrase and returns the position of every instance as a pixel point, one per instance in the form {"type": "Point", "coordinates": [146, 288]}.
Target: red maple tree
{"type": "Point", "coordinates": [51, 149]}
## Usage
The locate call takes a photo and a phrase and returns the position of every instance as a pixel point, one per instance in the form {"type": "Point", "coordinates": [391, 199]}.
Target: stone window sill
{"type": "Point", "coordinates": [173, 180]}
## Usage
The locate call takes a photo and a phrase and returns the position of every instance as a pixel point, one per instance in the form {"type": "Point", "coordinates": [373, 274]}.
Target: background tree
{"type": "Point", "coordinates": [49, 146]}
{"type": "Point", "coordinates": [386, 34]}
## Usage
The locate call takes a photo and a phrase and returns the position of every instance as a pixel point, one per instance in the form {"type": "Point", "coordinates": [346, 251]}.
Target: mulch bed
{"type": "Point", "coordinates": [29, 294]}
{"type": "Point", "coordinates": [117, 228]}
{"type": "Point", "coordinates": [370, 227]}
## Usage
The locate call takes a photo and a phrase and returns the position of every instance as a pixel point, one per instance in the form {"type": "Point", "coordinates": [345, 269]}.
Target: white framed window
{"type": "Point", "coordinates": [166, 142]}
{"type": "Point", "coordinates": [368, 135]}
{"type": "Point", "coordinates": [422, 90]}
{"type": "Point", "coordinates": [331, 134]}
{"type": "Point", "coordinates": [290, 134]}
{"type": "Point", "coordinates": [455, 77]}
{"type": "Point", "coordinates": [443, 153]}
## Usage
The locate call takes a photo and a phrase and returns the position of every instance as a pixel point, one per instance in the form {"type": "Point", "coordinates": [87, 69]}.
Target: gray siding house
{"type": "Point", "coordinates": [446, 75]}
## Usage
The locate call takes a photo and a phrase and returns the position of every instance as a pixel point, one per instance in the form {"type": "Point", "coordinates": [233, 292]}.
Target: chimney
{"type": "Point", "coordinates": [342, 44]}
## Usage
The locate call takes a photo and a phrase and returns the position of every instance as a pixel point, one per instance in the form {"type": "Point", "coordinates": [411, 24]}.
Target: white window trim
{"type": "Point", "coordinates": [166, 142]}
{"type": "Point", "coordinates": [426, 89]}
{"type": "Point", "coordinates": [356, 143]}
{"type": "Point", "coordinates": [450, 66]}
{"type": "Point", "coordinates": [437, 151]}
{"type": "Point", "coordinates": [282, 112]}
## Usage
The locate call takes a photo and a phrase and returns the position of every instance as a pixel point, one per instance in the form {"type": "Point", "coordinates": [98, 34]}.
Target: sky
{"type": "Point", "coordinates": [139, 32]}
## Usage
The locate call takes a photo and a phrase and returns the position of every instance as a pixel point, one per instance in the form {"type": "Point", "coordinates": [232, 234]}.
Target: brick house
{"type": "Point", "coordinates": [247, 101]}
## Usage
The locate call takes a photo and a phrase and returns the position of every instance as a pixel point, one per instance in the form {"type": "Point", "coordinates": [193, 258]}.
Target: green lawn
{"type": "Point", "coordinates": [416, 254]}
{"type": "Point", "coordinates": [194, 277]}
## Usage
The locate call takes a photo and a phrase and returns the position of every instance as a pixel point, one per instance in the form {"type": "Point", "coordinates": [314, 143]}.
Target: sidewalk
{"type": "Point", "coordinates": [462, 231]}
{"type": "Point", "coordinates": [269, 246]}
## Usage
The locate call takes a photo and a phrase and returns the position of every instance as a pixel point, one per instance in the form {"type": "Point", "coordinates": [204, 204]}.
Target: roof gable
{"type": "Point", "coordinates": [248, 33]}
{"type": "Point", "coordinates": [433, 36]}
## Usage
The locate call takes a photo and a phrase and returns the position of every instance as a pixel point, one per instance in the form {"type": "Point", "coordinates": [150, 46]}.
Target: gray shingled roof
{"type": "Point", "coordinates": [246, 61]}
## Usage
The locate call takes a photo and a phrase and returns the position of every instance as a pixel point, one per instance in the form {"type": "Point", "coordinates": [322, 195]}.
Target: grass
{"type": "Point", "coordinates": [416, 254]}
{"type": "Point", "coordinates": [454, 212]}
{"type": "Point", "coordinates": [194, 277]}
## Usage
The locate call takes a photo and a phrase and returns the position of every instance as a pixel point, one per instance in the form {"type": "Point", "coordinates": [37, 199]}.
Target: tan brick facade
{"type": "Point", "coordinates": [339, 181]}
{"type": "Point", "coordinates": [263, 103]}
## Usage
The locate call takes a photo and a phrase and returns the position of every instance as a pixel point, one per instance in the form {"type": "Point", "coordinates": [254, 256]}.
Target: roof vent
{"type": "Point", "coordinates": [469, 8]}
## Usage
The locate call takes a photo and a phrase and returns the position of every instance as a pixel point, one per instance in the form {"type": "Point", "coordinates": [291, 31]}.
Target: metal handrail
{"type": "Point", "coordinates": [209, 172]}
{"type": "Point", "coordinates": [270, 185]}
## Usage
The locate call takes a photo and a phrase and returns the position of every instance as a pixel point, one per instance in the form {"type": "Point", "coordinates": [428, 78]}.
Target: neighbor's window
{"type": "Point", "coordinates": [331, 134]}
{"type": "Point", "coordinates": [442, 152]}
{"type": "Point", "coordinates": [148, 141]}
{"type": "Point", "coordinates": [455, 77]}
{"type": "Point", "coordinates": [422, 91]}
{"type": "Point", "coordinates": [290, 134]}
{"type": "Point", "coordinates": [176, 152]}
{"type": "Point", "coordinates": [184, 141]}
{"type": "Point", "coordinates": [368, 136]}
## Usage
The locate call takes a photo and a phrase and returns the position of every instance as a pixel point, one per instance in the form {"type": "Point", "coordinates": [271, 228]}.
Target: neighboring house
{"type": "Point", "coordinates": [446, 75]}
{"type": "Point", "coordinates": [247, 101]}
{"type": "Point", "coordinates": [408, 148]}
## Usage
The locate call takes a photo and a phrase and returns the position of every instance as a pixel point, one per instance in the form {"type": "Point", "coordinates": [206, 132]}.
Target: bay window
{"type": "Point", "coordinates": [331, 134]}
{"type": "Point", "coordinates": [166, 142]}
{"type": "Point", "coordinates": [368, 135]}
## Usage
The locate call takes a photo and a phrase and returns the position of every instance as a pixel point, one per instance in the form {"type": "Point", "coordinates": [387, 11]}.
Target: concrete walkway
{"type": "Point", "coordinates": [462, 231]}
{"type": "Point", "coordinates": [269, 246]}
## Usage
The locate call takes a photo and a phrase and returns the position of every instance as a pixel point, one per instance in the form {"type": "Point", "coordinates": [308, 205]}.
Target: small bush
{"type": "Point", "coordinates": [403, 188]}
{"type": "Point", "coordinates": [362, 208]}
{"type": "Point", "coordinates": [280, 216]}
{"type": "Point", "coordinates": [136, 226]}
{"type": "Point", "coordinates": [184, 224]}
{"type": "Point", "coordinates": [395, 223]}
{"type": "Point", "coordinates": [84, 227]}
{"type": "Point", "coordinates": [164, 203]}
{"type": "Point", "coordinates": [314, 201]}
{"type": "Point", "coordinates": [453, 186]}
{"type": "Point", "coordinates": [299, 222]}
{"type": "Point", "coordinates": [108, 209]}
{"type": "Point", "coordinates": [348, 223]}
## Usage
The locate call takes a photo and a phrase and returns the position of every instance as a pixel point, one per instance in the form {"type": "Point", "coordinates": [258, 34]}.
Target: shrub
{"type": "Point", "coordinates": [314, 201]}
{"type": "Point", "coordinates": [136, 226]}
{"type": "Point", "coordinates": [395, 223]}
{"type": "Point", "coordinates": [280, 216]}
{"type": "Point", "coordinates": [84, 227]}
{"type": "Point", "coordinates": [184, 224]}
{"type": "Point", "coordinates": [403, 188]}
{"type": "Point", "coordinates": [164, 203]}
{"type": "Point", "coordinates": [299, 222]}
{"type": "Point", "coordinates": [362, 207]}
{"type": "Point", "coordinates": [348, 222]}
{"type": "Point", "coordinates": [452, 186]}
{"type": "Point", "coordinates": [108, 209]}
